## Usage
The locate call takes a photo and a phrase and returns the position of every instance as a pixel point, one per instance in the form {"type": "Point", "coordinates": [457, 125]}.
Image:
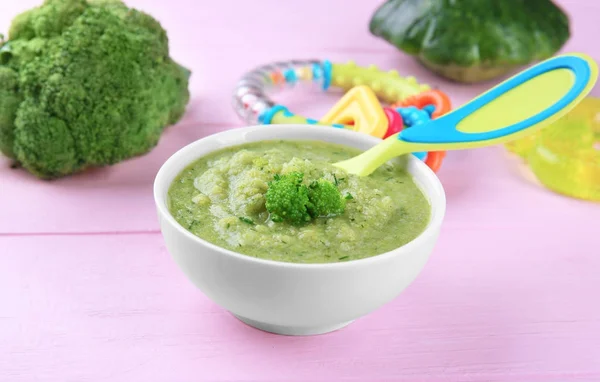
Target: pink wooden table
{"type": "Point", "coordinates": [89, 293]}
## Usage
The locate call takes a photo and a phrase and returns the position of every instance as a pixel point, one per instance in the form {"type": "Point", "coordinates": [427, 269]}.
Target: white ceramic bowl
{"type": "Point", "coordinates": [289, 298]}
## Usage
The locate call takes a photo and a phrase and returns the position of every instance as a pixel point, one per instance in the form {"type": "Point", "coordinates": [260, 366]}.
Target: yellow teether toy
{"type": "Point", "coordinates": [565, 157]}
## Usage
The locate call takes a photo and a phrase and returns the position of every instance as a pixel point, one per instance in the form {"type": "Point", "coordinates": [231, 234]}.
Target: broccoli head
{"type": "Point", "coordinates": [286, 199]}
{"type": "Point", "coordinates": [86, 84]}
{"type": "Point", "coordinates": [289, 199]}
{"type": "Point", "coordinates": [325, 198]}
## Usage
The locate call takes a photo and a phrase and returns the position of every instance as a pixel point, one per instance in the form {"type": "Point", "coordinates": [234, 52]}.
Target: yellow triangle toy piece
{"type": "Point", "coordinates": [360, 107]}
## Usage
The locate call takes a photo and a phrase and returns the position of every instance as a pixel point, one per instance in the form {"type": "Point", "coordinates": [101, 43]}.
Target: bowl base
{"type": "Point", "coordinates": [292, 330]}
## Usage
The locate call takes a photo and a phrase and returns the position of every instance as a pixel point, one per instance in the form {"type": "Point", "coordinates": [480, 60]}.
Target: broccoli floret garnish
{"type": "Point", "coordinates": [325, 198]}
{"type": "Point", "coordinates": [289, 200]}
{"type": "Point", "coordinates": [86, 84]}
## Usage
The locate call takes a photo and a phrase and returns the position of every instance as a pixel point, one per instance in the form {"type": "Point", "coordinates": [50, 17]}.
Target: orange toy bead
{"type": "Point", "coordinates": [434, 159]}
{"type": "Point", "coordinates": [277, 77]}
{"type": "Point", "coordinates": [437, 98]}
{"type": "Point", "coordinates": [442, 105]}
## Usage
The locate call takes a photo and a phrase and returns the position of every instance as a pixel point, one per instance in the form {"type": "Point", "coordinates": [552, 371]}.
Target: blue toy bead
{"type": "Point", "coordinates": [429, 109]}
{"type": "Point", "coordinates": [405, 111]}
{"type": "Point", "coordinates": [410, 115]}
{"type": "Point", "coordinates": [311, 121]}
{"type": "Point", "coordinates": [414, 116]}
{"type": "Point", "coordinates": [424, 113]}
{"type": "Point", "coordinates": [338, 125]}
{"type": "Point", "coordinates": [290, 76]}
{"type": "Point", "coordinates": [317, 72]}
{"type": "Point", "coordinates": [327, 68]}
{"type": "Point", "coordinates": [267, 115]}
{"type": "Point", "coordinates": [421, 115]}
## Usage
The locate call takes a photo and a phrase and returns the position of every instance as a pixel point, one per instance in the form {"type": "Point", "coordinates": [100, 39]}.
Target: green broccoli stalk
{"type": "Point", "coordinates": [86, 84]}
{"type": "Point", "coordinates": [289, 200]}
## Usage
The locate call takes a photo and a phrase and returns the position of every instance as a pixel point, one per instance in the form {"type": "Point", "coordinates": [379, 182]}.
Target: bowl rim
{"type": "Point", "coordinates": [166, 174]}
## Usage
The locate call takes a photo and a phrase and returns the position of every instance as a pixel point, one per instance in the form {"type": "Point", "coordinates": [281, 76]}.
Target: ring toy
{"type": "Point", "coordinates": [565, 157]}
{"type": "Point", "coordinates": [409, 103]}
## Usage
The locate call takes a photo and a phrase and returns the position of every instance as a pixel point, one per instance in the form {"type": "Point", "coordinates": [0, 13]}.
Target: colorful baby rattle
{"type": "Point", "coordinates": [360, 109]}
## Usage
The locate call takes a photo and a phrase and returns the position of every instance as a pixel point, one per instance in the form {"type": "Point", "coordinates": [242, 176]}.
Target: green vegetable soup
{"type": "Point", "coordinates": [236, 198]}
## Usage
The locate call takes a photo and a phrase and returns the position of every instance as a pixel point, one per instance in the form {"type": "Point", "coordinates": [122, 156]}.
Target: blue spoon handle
{"type": "Point", "coordinates": [447, 129]}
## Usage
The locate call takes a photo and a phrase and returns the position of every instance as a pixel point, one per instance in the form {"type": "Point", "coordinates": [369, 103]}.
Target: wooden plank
{"type": "Point", "coordinates": [489, 306]}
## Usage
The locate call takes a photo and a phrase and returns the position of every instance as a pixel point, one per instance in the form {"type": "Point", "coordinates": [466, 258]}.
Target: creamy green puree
{"type": "Point", "coordinates": [221, 199]}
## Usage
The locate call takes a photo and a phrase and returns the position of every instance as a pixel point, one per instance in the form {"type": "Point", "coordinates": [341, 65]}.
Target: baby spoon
{"type": "Point", "coordinates": [516, 107]}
